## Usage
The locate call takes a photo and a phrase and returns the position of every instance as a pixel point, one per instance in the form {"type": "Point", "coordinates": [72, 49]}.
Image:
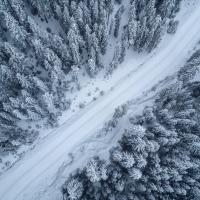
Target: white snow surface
{"type": "Point", "coordinates": [32, 174]}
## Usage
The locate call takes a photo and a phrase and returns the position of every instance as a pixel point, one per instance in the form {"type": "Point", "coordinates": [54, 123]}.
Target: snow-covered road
{"type": "Point", "coordinates": [45, 159]}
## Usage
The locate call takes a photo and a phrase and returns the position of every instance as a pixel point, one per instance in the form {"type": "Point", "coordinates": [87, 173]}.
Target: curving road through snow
{"type": "Point", "coordinates": [45, 159]}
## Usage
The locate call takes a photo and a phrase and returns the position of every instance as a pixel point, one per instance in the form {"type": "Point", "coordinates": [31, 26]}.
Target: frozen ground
{"type": "Point", "coordinates": [37, 171]}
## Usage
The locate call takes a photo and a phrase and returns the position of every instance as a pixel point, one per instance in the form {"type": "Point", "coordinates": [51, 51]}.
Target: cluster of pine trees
{"type": "Point", "coordinates": [147, 18]}
{"type": "Point", "coordinates": [158, 157]}
{"type": "Point", "coordinates": [34, 61]}
{"type": "Point", "coordinates": [147, 22]}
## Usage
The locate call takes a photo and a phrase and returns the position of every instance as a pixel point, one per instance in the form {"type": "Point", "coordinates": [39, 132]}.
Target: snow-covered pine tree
{"type": "Point", "coordinates": [16, 8]}
{"type": "Point", "coordinates": [132, 25]}
{"type": "Point", "coordinates": [118, 16]}
{"type": "Point", "coordinates": [16, 32]}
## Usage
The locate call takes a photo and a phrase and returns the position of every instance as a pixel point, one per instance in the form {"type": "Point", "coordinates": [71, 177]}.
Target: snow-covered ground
{"type": "Point", "coordinates": [31, 176]}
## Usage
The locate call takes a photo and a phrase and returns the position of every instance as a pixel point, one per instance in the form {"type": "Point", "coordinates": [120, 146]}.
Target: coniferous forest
{"type": "Point", "coordinates": [158, 157]}
{"type": "Point", "coordinates": [44, 44]}
{"type": "Point", "coordinates": [34, 60]}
